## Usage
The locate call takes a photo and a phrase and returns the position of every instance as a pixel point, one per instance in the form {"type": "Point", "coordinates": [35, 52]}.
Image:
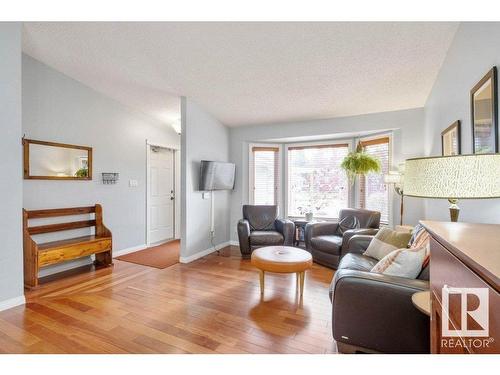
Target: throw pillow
{"type": "Point", "coordinates": [415, 232]}
{"type": "Point", "coordinates": [386, 241]}
{"type": "Point", "coordinates": [402, 262]}
{"type": "Point", "coordinates": [421, 238]}
{"type": "Point", "coordinates": [348, 222]}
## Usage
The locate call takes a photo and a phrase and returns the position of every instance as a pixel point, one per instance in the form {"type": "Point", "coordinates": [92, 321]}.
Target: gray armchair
{"type": "Point", "coordinates": [260, 226]}
{"type": "Point", "coordinates": [372, 312]}
{"type": "Point", "coordinates": [325, 243]}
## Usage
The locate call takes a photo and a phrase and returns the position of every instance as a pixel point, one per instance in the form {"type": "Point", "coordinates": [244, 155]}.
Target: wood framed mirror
{"type": "Point", "coordinates": [484, 114]}
{"type": "Point", "coordinates": [56, 161]}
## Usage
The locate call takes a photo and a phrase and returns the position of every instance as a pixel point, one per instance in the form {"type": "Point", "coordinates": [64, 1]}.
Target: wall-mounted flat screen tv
{"type": "Point", "coordinates": [216, 175]}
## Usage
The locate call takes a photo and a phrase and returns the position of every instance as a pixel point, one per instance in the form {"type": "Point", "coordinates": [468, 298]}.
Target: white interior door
{"type": "Point", "coordinates": [161, 194]}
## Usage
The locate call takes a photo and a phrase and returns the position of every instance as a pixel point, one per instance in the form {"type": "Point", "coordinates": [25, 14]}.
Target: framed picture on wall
{"type": "Point", "coordinates": [451, 143]}
{"type": "Point", "coordinates": [484, 114]}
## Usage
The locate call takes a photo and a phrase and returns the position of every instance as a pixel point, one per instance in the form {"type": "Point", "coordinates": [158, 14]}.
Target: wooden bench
{"type": "Point", "coordinates": [41, 255]}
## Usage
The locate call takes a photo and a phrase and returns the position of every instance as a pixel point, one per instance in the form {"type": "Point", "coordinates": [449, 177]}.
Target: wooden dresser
{"type": "Point", "coordinates": [464, 256]}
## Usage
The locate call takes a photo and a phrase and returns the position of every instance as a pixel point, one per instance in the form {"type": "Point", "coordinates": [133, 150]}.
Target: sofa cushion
{"type": "Point", "coordinates": [260, 217]}
{"type": "Point", "coordinates": [348, 222]}
{"type": "Point", "coordinates": [358, 262]}
{"type": "Point", "coordinates": [424, 274]}
{"type": "Point", "coordinates": [266, 238]}
{"type": "Point", "coordinates": [386, 241]}
{"type": "Point", "coordinates": [327, 243]}
{"type": "Point", "coordinates": [367, 218]}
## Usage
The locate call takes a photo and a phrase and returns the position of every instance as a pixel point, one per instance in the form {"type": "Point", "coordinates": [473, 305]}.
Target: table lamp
{"type": "Point", "coordinates": [453, 177]}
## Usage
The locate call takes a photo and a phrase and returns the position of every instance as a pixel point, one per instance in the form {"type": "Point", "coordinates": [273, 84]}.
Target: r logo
{"type": "Point", "coordinates": [474, 310]}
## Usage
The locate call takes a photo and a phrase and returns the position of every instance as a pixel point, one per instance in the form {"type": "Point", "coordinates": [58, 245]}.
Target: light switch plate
{"type": "Point", "coordinates": [133, 183]}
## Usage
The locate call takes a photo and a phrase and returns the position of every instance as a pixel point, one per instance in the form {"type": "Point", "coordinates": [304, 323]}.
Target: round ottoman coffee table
{"type": "Point", "coordinates": [282, 259]}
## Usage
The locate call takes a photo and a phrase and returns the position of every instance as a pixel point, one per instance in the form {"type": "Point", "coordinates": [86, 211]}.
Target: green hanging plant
{"type": "Point", "coordinates": [360, 163]}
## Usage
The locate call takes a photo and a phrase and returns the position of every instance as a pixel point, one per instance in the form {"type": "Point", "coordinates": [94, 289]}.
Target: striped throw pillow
{"type": "Point", "coordinates": [402, 262]}
{"type": "Point", "coordinates": [422, 238]}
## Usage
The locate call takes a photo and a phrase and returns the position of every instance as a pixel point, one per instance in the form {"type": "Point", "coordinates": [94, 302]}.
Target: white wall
{"type": "Point", "coordinates": [472, 53]}
{"type": "Point", "coordinates": [11, 252]}
{"type": "Point", "coordinates": [408, 141]}
{"type": "Point", "coordinates": [203, 138]}
{"type": "Point", "coordinates": [59, 109]}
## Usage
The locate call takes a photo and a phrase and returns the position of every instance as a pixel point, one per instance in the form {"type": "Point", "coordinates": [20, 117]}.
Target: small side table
{"type": "Point", "coordinates": [300, 227]}
{"type": "Point", "coordinates": [300, 230]}
{"type": "Point", "coordinates": [422, 301]}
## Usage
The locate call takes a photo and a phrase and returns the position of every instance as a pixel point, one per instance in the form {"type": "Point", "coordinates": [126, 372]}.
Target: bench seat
{"type": "Point", "coordinates": [37, 255]}
{"type": "Point", "coordinates": [63, 250]}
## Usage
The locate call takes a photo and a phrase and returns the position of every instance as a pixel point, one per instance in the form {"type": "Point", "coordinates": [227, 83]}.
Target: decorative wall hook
{"type": "Point", "coordinates": [110, 178]}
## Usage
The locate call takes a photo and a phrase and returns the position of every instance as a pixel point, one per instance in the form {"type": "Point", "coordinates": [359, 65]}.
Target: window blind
{"type": "Point", "coordinates": [316, 183]}
{"type": "Point", "coordinates": [373, 193]}
{"type": "Point", "coordinates": [265, 175]}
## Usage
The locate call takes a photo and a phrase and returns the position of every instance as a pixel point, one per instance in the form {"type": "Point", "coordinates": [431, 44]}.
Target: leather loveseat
{"type": "Point", "coordinates": [372, 312]}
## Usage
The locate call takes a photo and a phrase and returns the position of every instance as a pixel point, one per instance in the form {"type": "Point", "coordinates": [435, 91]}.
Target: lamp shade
{"type": "Point", "coordinates": [454, 177]}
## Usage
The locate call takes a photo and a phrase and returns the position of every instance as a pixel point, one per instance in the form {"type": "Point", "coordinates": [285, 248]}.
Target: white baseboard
{"type": "Point", "coordinates": [203, 253]}
{"type": "Point", "coordinates": [234, 243]}
{"type": "Point", "coordinates": [129, 250]}
{"type": "Point", "coordinates": [12, 302]}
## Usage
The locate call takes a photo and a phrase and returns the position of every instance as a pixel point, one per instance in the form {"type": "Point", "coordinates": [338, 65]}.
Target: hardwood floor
{"type": "Point", "coordinates": [211, 305]}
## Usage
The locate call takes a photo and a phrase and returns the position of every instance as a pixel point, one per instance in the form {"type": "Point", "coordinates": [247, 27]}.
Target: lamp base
{"type": "Point", "coordinates": [454, 210]}
{"type": "Point", "coordinates": [399, 191]}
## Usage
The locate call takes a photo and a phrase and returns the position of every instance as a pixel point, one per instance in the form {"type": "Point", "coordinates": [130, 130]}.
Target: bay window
{"type": "Point", "coordinates": [373, 193]}
{"type": "Point", "coordinates": [316, 183]}
{"type": "Point", "coordinates": [264, 175]}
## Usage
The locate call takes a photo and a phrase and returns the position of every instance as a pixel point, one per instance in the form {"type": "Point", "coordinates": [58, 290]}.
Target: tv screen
{"type": "Point", "coordinates": [216, 175]}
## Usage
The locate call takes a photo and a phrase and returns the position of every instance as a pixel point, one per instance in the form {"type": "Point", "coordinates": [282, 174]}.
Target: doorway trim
{"type": "Point", "coordinates": [176, 179]}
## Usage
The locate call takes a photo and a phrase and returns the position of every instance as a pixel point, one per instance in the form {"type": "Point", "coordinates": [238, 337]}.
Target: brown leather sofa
{"type": "Point", "coordinates": [372, 312]}
{"type": "Point", "coordinates": [325, 244]}
{"type": "Point", "coordinates": [260, 226]}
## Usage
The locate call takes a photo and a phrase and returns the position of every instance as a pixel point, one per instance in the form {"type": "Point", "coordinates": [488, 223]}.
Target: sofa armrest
{"type": "Point", "coordinates": [358, 244]}
{"type": "Point", "coordinates": [348, 234]}
{"type": "Point", "coordinates": [375, 311]}
{"type": "Point", "coordinates": [287, 228]}
{"type": "Point", "coordinates": [319, 229]}
{"type": "Point", "coordinates": [244, 237]}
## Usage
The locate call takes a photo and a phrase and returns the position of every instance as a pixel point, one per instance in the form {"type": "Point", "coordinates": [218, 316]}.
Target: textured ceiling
{"type": "Point", "coordinates": [249, 73]}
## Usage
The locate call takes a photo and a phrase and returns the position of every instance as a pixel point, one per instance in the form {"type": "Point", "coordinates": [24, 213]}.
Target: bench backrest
{"type": "Point", "coordinates": [59, 212]}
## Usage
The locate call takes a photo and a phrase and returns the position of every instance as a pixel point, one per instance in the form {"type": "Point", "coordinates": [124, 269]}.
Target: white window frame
{"type": "Point", "coordinates": [390, 198]}
{"type": "Point", "coordinates": [350, 192]}
{"type": "Point", "coordinates": [251, 172]}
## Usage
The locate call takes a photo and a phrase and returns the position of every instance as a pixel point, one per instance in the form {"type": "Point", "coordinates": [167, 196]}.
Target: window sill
{"type": "Point", "coordinates": [314, 218]}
